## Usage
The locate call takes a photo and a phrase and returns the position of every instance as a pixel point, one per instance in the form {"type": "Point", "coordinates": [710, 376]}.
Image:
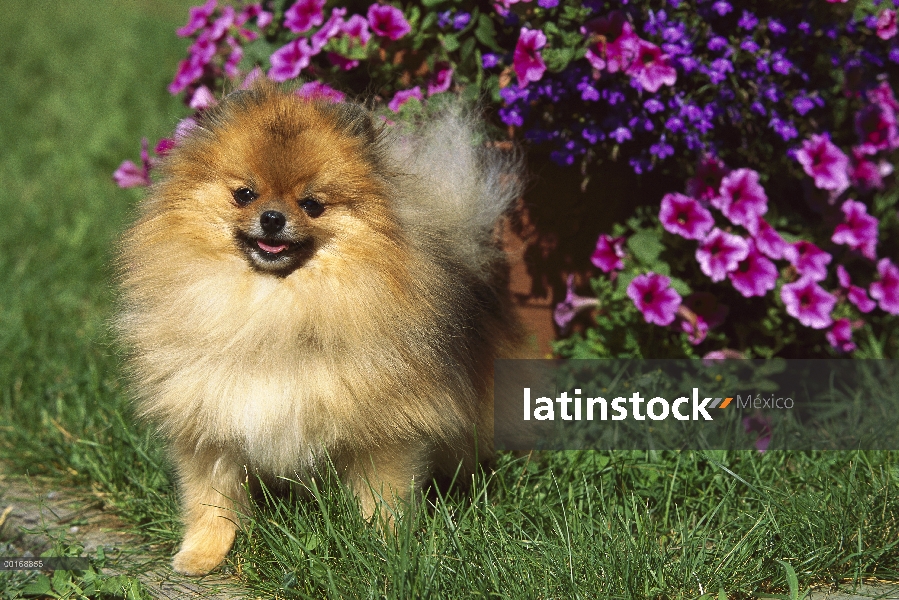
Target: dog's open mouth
{"type": "Point", "coordinates": [273, 255]}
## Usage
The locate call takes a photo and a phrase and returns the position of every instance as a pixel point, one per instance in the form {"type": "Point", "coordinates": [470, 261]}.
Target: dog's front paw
{"type": "Point", "coordinates": [196, 562]}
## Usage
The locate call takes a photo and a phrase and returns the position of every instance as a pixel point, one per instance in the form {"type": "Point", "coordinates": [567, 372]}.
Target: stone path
{"type": "Point", "coordinates": [33, 510]}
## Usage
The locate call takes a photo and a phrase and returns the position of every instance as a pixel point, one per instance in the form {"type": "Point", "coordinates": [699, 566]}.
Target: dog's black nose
{"type": "Point", "coordinates": [272, 221]}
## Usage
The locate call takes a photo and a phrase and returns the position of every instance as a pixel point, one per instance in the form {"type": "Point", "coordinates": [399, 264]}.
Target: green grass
{"type": "Point", "coordinates": [83, 82]}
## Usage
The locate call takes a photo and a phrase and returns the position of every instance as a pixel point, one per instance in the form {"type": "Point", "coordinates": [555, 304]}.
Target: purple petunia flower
{"type": "Point", "coordinates": [824, 162]}
{"type": "Point", "coordinates": [809, 260]}
{"type": "Point", "coordinates": [770, 243]}
{"type": "Point", "coordinates": [755, 275]}
{"type": "Point", "coordinates": [289, 60]}
{"type": "Point", "coordinates": [304, 14]}
{"type": "Point", "coordinates": [403, 96]}
{"type": "Point", "coordinates": [198, 16]}
{"type": "Point", "coordinates": [357, 27]}
{"type": "Point", "coordinates": [858, 230]}
{"type": "Point", "coordinates": [742, 199]}
{"type": "Point", "coordinates": [856, 295]}
{"type": "Point", "coordinates": [527, 61]}
{"type": "Point", "coordinates": [886, 289]}
{"type": "Point", "coordinates": [443, 78]}
{"type": "Point", "coordinates": [655, 298]}
{"type": "Point", "coordinates": [886, 24]}
{"type": "Point", "coordinates": [332, 28]}
{"type": "Point", "coordinates": [807, 301]}
{"type": "Point", "coordinates": [684, 216]}
{"type": "Point", "coordinates": [608, 253]}
{"type": "Point", "coordinates": [720, 253]}
{"type": "Point", "coordinates": [129, 175]}
{"type": "Point", "coordinates": [316, 90]}
{"type": "Point", "coordinates": [650, 68]}
{"type": "Point", "coordinates": [840, 335]}
{"type": "Point", "coordinates": [568, 308]}
{"type": "Point", "coordinates": [388, 21]}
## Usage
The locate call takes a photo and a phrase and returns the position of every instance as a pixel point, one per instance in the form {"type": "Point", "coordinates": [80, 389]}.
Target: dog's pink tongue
{"type": "Point", "coordinates": [272, 249]}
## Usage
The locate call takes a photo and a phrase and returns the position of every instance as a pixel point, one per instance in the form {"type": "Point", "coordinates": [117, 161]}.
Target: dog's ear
{"type": "Point", "coordinates": [355, 120]}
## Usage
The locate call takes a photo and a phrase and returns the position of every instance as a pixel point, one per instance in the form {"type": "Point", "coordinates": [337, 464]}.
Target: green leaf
{"type": "Point", "coordinates": [680, 286]}
{"type": "Point", "coordinates": [450, 42]}
{"type": "Point", "coordinates": [792, 579]}
{"type": "Point", "coordinates": [432, 2]}
{"type": "Point", "coordinates": [467, 49]}
{"type": "Point", "coordinates": [39, 587]}
{"type": "Point", "coordinates": [486, 33]}
{"type": "Point", "coordinates": [557, 59]}
{"type": "Point", "coordinates": [645, 246]}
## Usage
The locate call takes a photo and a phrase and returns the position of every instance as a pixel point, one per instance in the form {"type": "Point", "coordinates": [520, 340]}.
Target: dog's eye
{"type": "Point", "coordinates": [244, 196]}
{"type": "Point", "coordinates": [312, 207]}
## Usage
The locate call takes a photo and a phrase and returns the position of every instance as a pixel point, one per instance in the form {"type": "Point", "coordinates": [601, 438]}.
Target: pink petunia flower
{"type": "Point", "coordinates": [289, 60]}
{"type": "Point", "coordinates": [877, 129]}
{"type": "Point", "coordinates": [443, 78]}
{"type": "Point", "coordinates": [263, 17]}
{"type": "Point", "coordinates": [332, 27]}
{"type": "Point", "coordinates": [886, 289]}
{"type": "Point", "coordinates": [840, 335]}
{"type": "Point", "coordinates": [866, 174]}
{"type": "Point", "coordinates": [655, 298]}
{"type": "Point", "coordinates": [202, 99]}
{"type": "Point", "coordinates": [403, 96]}
{"type": "Point", "coordinates": [858, 231]}
{"type": "Point", "coordinates": [886, 24]}
{"type": "Point", "coordinates": [824, 162]}
{"type": "Point", "coordinates": [856, 295]}
{"type": "Point", "coordinates": [810, 261]}
{"type": "Point", "coordinates": [807, 301]}
{"type": "Point", "coordinates": [566, 310]}
{"type": "Point", "coordinates": [742, 199]}
{"type": "Point", "coordinates": [304, 15]}
{"type": "Point", "coordinates": [770, 243]}
{"type": "Point", "coordinates": [316, 90]}
{"type": "Point", "coordinates": [388, 21]}
{"type": "Point", "coordinates": [189, 71]}
{"type": "Point", "coordinates": [527, 61]}
{"type": "Point", "coordinates": [129, 175]}
{"type": "Point", "coordinates": [357, 27]}
{"type": "Point", "coordinates": [198, 17]}
{"type": "Point", "coordinates": [684, 216]}
{"type": "Point", "coordinates": [608, 253]}
{"type": "Point", "coordinates": [343, 62]}
{"type": "Point", "coordinates": [651, 68]}
{"type": "Point", "coordinates": [720, 253]}
{"type": "Point", "coordinates": [755, 275]}
{"type": "Point", "coordinates": [706, 184]}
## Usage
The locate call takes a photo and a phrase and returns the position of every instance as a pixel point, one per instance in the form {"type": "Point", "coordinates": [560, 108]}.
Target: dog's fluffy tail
{"type": "Point", "coordinates": [457, 183]}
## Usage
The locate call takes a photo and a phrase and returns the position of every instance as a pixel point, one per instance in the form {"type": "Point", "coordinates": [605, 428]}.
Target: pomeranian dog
{"type": "Point", "coordinates": [307, 284]}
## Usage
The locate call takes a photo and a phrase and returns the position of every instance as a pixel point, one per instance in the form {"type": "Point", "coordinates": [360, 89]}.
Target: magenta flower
{"type": "Point", "coordinates": [527, 61]}
{"type": "Point", "coordinates": [769, 242]}
{"type": "Point", "coordinates": [762, 426]}
{"type": "Point", "coordinates": [684, 216]}
{"type": "Point", "coordinates": [343, 62]}
{"type": "Point", "coordinates": [198, 17]}
{"type": "Point", "coordinates": [304, 14]}
{"type": "Point", "coordinates": [707, 181]}
{"type": "Point", "coordinates": [886, 24]}
{"type": "Point", "coordinates": [755, 275]}
{"type": "Point", "coordinates": [807, 301]}
{"type": "Point", "coordinates": [655, 298]}
{"type": "Point", "coordinates": [876, 127]}
{"type": "Point", "coordinates": [388, 21]}
{"type": "Point", "coordinates": [720, 253]}
{"type": "Point", "coordinates": [886, 289]}
{"type": "Point", "coordinates": [856, 295]}
{"type": "Point", "coordinates": [840, 335]}
{"type": "Point", "coordinates": [189, 70]}
{"type": "Point", "coordinates": [263, 17]}
{"type": "Point", "coordinates": [289, 60]}
{"type": "Point", "coordinates": [696, 329]}
{"type": "Point", "coordinates": [858, 231]}
{"type": "Point", "coordinates": [332, 27]}
{"type": "Point", "coordinates": [566, 310]}
{"type": "Point", "coordinates": [824, 162]}
{"type": "Point", "coordinates": [443, 78]}
{"type": "Point", "coordinates": [357, 27]}
{"type": "Point", "coordinates": [129, 175]}
{"type": "Point", "coordinates": [866, 174]}
{"type": "Point", "coordinates": [316, 90]}
{"type": "Point", "coordinates": [651, 69]}
{"type": "Point", "coordinates": [810, 261]}
{"type": "Point", "coordinates": [202, 99]}
{"type": "Point", "coordinates": [622, 52]}
{"type": "Point", "coordinates": [403, 96]}
{"type": "Point", "coordinates": [742, 199]}
{"type": "Point", "coordinates": [608, 253]}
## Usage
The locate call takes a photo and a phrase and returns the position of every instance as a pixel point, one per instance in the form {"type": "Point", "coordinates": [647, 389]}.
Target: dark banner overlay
{"type": "Point", "coordinates": [635, 404]}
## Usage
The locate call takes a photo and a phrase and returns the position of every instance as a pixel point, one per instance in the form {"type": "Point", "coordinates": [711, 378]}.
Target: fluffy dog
{"type": "Point", "coordinates": [306, 284]}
